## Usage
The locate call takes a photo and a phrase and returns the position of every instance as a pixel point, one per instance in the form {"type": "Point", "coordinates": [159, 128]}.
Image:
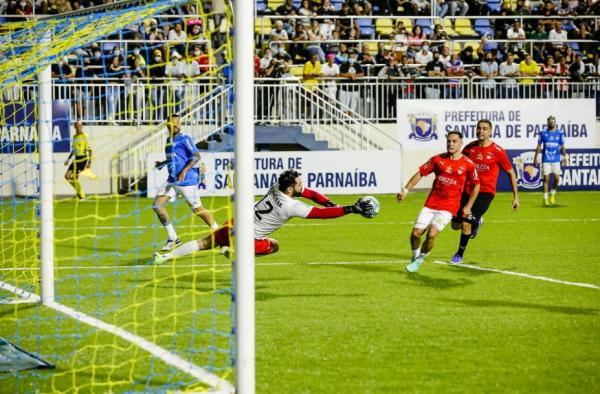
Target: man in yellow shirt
{"type": "Point", "coordinates": [528, 68]}
{"type": "Point", "coordinates": [311, 71]}
{"type": "Point", "coordinates": [82, 153]}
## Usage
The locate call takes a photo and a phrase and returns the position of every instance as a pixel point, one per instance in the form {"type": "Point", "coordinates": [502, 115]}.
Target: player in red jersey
{"type": "Point", "coordinates": [490, 158]}
{"type": "Point", "coordinates": [452, 171]}
{"type": "Point", "coordinates": [270, 213]}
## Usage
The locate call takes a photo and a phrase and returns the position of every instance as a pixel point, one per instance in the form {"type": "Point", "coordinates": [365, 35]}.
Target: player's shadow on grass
{"type": "Point", "coordinates": [437, 283]}
{"type": "Point", "coordinates": [567, 310]}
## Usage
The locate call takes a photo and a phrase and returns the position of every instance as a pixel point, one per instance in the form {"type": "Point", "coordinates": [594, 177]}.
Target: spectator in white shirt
{"type": "Point", "coordinates": [516, 32]}
{"type": "Point", "coordinates": [424, 56]}
{"type": "Point", "coordinates": [509, 69]}
{"type": "Point", "coordinates": [489, 70]}
{"type": "Point", "coordinates": [557, 34]}
{"type": "Point", "coordinates": [278, 33]}
{"type": "Point", "coordinates": [330, 70]}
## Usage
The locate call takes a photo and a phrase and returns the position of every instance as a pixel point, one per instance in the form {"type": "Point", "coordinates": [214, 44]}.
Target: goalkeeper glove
{"type": "Point", "coordinates": [359, 207]}
{"type": "Point", "coordinates": [330, 204]}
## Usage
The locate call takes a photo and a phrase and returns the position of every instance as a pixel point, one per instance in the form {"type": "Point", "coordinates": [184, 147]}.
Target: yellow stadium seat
{"type": "Point", "coordinates": [273, 4]}
{"type": "Point", "coordinates": [384, 26]}
{"type": "Point", "coordinates": [262, 26]}
{"type": "Point", "coordinates": [464, 27]}
{"type": "Point", "coordinates": [449, 29]}
{"type": "Point", "coordinates": [408, 23]}
{"type": "Point", "coordinates": [472, 44]}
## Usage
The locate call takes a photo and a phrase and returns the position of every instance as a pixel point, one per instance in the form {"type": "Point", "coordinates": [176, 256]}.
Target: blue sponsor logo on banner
{"type": "Point", "coordinates": [423, 126]}
{"type": "Point", "coordinates": [18, 127]}
{"type": "Point", "coordinates": [582, 171]}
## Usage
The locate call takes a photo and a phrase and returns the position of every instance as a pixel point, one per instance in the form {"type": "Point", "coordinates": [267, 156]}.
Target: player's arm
{"type": "Point", "coordinates": [89, 156]}
{"type": "Point", "coordinates": [536, 156]}
{"type": "Point", "coordinates": [504, 164]}
{"type": "Point", "coordinates": [563, 155]}
{"type": "Point", "coordinates": [317, 197]}
{"type": "Point", "coordinates": [335, 212]}
{"type": "Point", "coordinates": [70, 155]}
{"type": "Point", "coordinates": [473, 179]}
{"type": "Point", "coordinates": [195, 159]}
{"type": "Point", "coordinates": [472, 197]}
{"type": "Point", "coordinates": [409, 185]}
{"type": "Point", "coordinates": [515, 188]}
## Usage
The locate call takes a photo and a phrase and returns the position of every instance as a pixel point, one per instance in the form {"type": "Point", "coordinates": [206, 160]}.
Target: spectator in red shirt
{"type": "Point", "coordinates": [489, 158]}
{"type": "Point", "coordinates": [452, 172]}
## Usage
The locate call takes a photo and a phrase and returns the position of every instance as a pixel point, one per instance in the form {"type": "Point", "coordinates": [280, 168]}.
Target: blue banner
{"type": "Point", "coordinates": [582, 171]}
{"type": "Point", "coordinates": [18, 127]}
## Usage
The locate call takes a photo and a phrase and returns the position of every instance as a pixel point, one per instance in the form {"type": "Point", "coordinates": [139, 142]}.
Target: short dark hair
{"type": "Point", "coordinates": [287, 179]}
{"type": "Point", "coordinates": [173, 115]}
{"type": "Point", "coordinates": [485, 121]}
{"type": "Point", "coordinates": [458, 133]}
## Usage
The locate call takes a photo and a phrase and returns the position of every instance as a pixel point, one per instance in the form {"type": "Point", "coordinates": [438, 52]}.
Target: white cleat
{"type": "Point", "coordinates": [170, 244]}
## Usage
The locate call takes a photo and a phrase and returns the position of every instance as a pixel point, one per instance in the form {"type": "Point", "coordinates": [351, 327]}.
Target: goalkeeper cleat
{"type": "Point", "coordinates": [456, 259]}
{"type": "Point", "coordinates": [546, 203]}
{"type": "Point", "coordinates": [159, 258]}
{"type": "Point", "coordinates": [414, 265]}
{"type": "Point", "coordinates": [476, 227]}
{"type": "Point", "coordinates": [170, 244]}
{"type": "Point", "coordinates": [552, 199]}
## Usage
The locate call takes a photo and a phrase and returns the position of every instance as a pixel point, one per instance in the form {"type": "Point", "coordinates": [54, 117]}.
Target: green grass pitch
{"type": "Point", "coordinates": [335, 310]}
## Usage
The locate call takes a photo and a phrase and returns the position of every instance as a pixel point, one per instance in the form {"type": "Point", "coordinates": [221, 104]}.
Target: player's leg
{"type": "Point", "coordinates": [546, 170]}
{"type": "Point", "coordinates": [458, 222]}
{"type": "Point", "coordinates": [265, 246]}
{"type": "Point", "coordinates": [556, 171]}
{"type": "Point", "coordinates": [221, 237]}
{"type": "Point", "coordinates": [192, 196]}
{"type": "Point", "coordinates": [425, 220]}
{"type": "Point", "coordinates": [163, 196]}
{"type": "Point", "coordinates": [79, 167]}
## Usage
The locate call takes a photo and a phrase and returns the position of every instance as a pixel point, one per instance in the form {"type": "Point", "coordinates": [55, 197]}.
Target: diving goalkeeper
{"type": "Point", "coordinates": [270, 213]}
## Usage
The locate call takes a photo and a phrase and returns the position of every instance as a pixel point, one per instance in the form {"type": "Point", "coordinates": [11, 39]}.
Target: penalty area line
{"type": "Point", "coordinates": [521, 275]}
{"type": "Point", "coordinates": [222, 385]}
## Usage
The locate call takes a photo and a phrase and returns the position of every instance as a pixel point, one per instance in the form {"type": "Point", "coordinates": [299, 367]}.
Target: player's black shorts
{"type": "Point", "coordinates": [79, 164]}
{"type": "Point", "coordinates": [480, 206]}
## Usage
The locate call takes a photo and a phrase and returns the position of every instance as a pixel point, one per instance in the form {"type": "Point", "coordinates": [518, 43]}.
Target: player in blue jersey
{"type": "Point", "coordinates": [551, 142]}
{"type": "Point", "coordinates": [182, 155]}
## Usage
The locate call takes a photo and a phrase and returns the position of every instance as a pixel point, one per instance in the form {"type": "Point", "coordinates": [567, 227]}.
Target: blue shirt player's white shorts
{"type": "Point", "coordinates": [191, 194]}
{"type": "Point", "coordinates": [551, 168]}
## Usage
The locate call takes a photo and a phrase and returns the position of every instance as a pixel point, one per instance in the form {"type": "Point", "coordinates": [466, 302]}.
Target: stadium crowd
{"type": "Point", "coordinates": [510, 49]}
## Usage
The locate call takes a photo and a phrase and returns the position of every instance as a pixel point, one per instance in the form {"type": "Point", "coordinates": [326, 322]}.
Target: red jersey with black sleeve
{"type": "Point", "coordinates": [450, 179]}
{"type": "Point", "coordinates": [489, 161]}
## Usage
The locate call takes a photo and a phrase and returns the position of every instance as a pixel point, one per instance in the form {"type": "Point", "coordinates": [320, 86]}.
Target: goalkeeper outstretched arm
{"type": "Point", "coordinates": [360, 207]}
{"type": "Point", "coordinates": [317, 197]}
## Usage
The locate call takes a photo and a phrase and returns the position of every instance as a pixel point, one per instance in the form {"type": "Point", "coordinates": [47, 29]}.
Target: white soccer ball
{"type": "Point", "coordinates": [371, 213]}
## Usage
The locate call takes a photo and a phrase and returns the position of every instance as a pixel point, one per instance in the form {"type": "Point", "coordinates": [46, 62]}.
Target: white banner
{"type": "Point", "coordinates": [329, 172]}
{"type": "Point", "coordinates": [423, 124]}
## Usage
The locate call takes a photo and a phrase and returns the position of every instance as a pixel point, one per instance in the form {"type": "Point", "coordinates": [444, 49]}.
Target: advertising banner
{"type": "Point", "coordinates": [582, 171]}
{"type": "Point", "coordinates": [423, 124]}
{"type": "Point", "coordinates": [18, 127]}
{"type": "Point", "coordinates": [330, 172]}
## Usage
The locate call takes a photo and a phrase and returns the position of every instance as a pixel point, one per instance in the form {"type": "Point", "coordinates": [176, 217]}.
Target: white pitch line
{"type": "Point", "coordinates": [222, 385]}
{"type": "Point", "coordinates": [521, 274]}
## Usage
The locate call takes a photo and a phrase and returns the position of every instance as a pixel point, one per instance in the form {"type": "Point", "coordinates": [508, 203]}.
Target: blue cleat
{"type": "Point", "coordinates": [456, 259]}
{"type": "Point", "coordinates": [414, 265]}
{"type": "Point", "coordinates": [475, 229]}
